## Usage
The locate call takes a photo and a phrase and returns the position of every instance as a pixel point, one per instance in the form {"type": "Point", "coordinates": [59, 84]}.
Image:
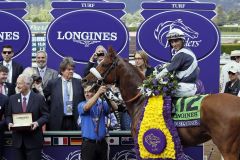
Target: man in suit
{"type": "Point", "coordinates": [42, 70]}
{"type": "Point", "coordinates": [3, 106]}
{"type": "Point", "coordinates": [14, 68]}
{"type": "Point", "coordinates": [27, 144]}
{"type": "Point", "coordinates": [6, 88]}
{"type": "Point", "coordinates": [65, 93]}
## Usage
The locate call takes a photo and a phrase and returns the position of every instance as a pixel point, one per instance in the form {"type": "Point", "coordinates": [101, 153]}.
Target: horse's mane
{"type": "Point", "coordinates": [135, 69]}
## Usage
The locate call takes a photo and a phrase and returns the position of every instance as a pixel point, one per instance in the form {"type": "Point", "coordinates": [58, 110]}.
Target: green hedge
{"type": "Point", "coordinates": [227, 48]}
{"type": "Point", "coordinates": [229, 29]}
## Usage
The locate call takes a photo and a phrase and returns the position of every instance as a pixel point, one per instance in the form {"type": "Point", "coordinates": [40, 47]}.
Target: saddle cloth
{"type": "Point", "coordinates": [187, 111]}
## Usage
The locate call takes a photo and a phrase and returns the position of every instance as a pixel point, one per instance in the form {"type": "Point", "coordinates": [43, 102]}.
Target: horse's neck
{"type": "Point", "coordinates": [129, 80]}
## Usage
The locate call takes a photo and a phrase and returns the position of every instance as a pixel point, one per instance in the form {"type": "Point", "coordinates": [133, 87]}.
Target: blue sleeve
{"type": "Point", "coordinates": [105, 107]}
{"type": "Point", "coordinates": [81, 108]}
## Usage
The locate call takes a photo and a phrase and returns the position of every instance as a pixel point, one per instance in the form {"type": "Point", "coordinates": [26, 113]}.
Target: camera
{"type": "Point", "coordinates": [100, 54]}
{"type": "Point", "coordinates": [36, 78]}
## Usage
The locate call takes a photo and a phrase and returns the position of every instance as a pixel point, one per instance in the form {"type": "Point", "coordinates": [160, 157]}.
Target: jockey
{"type": "Point", "coordinates": [183, 63]}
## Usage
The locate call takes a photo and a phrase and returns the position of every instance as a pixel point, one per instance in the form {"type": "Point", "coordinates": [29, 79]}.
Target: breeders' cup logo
{"type": "Point", "coordinates": [87, 38]}
{"type": "Point", "coordinates": [163, 28]}
{"type": "Point", "coordinates": [78, 33]}
{"type": "Point", "coordinates": [201, 35]}
{"type": "Point", "coordinates": [125, 155]}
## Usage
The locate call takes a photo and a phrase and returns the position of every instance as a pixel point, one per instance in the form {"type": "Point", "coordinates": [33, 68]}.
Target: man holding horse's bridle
{"type": "Point", "coordinates": [183, 64]}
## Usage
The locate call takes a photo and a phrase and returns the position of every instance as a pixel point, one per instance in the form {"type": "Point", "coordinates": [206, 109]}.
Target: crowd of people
{"type": "Point", "coordinates": [59, 102]}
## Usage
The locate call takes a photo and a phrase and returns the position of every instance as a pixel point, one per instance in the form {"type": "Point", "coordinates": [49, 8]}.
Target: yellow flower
{"type": "Point", "coordinates": [153, 118]}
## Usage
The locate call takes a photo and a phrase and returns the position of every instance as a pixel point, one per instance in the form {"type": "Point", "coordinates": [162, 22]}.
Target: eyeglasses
{"type": "Point", "coordinates": [138, 59]}
{"type": "Point", "coordinates": [7, 52]}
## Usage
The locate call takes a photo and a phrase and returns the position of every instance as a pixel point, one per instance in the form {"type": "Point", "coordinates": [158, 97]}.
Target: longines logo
{"type": "Point", "coordinates": [163, 28]}
{"type": "Point", "coordinates": [87, 38]}
{"type": "Point", "coordinates": [9, 36]}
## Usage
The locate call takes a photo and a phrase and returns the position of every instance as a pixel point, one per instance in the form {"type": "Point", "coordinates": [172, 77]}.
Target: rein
{"type": "Point", "coordinates": [134, 98]}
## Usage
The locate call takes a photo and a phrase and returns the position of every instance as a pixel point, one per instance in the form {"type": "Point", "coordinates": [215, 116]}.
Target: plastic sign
{"type": "Point", "coordinates": [75, 33]}
{"type": "Point", "coordinates": [15, 32]}
{"type": "Point", "coordinates": [154, 30]}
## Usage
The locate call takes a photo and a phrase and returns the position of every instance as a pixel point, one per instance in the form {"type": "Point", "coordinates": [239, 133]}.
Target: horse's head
{"type": "Point", "coordinates": [105, 72]}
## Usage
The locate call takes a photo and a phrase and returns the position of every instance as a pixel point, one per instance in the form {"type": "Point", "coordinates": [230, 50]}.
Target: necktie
{"type": "Point", "coordinates": [42, 73]}
{"type": "Point", "coordinates": [1, 91]}
{"type": "Point", "coordinates": [66, 96]}
{"type": "Point", "coordinates": [8, 78]}
{"type": "Point", "coordinates": [24, 104]}
{"type": "Point", "coordinates": [7, 65]}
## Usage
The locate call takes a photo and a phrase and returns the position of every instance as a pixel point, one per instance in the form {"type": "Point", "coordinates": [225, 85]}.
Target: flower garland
{"type": "Point", "coordinates": [157, 137]}
{"type": "Point", "coordinates": [153, 118]}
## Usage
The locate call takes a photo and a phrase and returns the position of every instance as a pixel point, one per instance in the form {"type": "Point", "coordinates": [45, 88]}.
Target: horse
{"type": "Point", "coordinates": [220, 113]}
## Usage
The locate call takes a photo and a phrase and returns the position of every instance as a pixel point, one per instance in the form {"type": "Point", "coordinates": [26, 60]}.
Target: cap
{"type": "Point", "coordinates": [233, 69]}
{"type": "Point", "coordinates": [235, 53]}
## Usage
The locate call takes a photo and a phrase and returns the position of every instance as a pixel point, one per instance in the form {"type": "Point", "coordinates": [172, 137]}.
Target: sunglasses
{"type": "Point", "coordinates": [7, 52]}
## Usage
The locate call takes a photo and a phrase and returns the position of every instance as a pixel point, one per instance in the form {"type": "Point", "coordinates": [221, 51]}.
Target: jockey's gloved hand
{"type": "Point", "coordinates": [161, 74]}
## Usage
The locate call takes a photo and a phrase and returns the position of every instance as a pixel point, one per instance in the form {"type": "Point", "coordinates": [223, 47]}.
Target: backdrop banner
{"type": "Point", "coordinates": [194, 19]}
{"type": "Point", "coordinates": [80, 26]}
{"type": "Point", "coordinates": [15, 31]}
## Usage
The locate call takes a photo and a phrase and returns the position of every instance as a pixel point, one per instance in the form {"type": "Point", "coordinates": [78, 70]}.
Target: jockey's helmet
{"type": "Point", "coordinates": [175, 33]}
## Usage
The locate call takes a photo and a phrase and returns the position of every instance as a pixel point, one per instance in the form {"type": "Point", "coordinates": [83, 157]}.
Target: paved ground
{"type": "Point", "coordinates": [211, 152]}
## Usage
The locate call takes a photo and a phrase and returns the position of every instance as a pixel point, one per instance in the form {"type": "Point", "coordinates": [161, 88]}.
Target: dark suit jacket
{"type": "Point", "coordinates": [88, 67]}
{"type": "Point", "coordinates": [10, 88]}
{"type": "Point", "coordinates": [17, 69]}
{"type": "Point", "coordinates": [49, 75]}
{"type": "Point", "coordinates": [3, 106]}
{"type": "Point", "coordinates": [232, 89]}
{"type": "Point", "coordinates": [37, 106]}
{"type": "Point", "coordinates": [149, 71]}
{"type": "Point", "coordinates": [3, 126]}
{"type": "Point", "coordinates": [54, 91]}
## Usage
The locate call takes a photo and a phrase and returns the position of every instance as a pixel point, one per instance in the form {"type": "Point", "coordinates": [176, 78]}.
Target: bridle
{"type": "Point", "coordinates": [100, 78]}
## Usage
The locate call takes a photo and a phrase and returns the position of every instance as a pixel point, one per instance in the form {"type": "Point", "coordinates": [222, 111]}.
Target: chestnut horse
{"type": "Point", "coordinates": [220, 113]}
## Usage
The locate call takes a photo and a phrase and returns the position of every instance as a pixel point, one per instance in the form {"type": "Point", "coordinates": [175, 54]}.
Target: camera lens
{"type": "Point", "coordinates": [100, 54]}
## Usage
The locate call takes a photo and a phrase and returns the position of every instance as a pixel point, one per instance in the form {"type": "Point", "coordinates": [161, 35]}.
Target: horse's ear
{"type": "Point", "coordinates": [112, 52]}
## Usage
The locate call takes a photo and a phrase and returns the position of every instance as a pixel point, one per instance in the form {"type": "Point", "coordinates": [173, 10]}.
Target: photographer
{"type": "Point", "coordinates": [95, 59]}
{"type": "Point", "coordinates": [37, 84]}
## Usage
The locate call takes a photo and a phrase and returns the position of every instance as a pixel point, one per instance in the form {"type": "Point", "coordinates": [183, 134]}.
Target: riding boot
{"type": "Point", "coordinates": [174, 102]}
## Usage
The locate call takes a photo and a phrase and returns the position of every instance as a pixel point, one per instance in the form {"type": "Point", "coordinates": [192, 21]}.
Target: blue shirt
{"type": "Point", "coordinates": [100, 109]}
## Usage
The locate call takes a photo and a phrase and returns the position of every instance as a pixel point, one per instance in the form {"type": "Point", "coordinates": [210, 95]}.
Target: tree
{"type": "Point", "coordinates": [221, 17]}
{"type": "Point", "coordinates": [234, 16]}
{"type": "Point", "coordinates": [39, 13]}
